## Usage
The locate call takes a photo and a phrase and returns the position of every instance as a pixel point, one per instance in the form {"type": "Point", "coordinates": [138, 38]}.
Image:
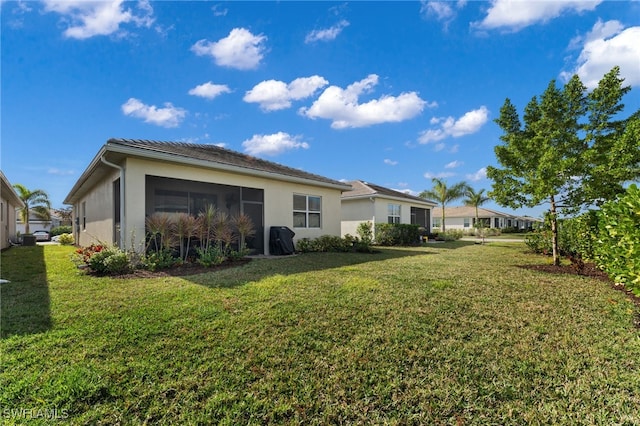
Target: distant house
{"type": "Point", "coordinates": [9, 202]}
{"type": "Point", "coordinates": [367, 202]}
{"type": "Point", "coordinates": [464, 217]}
{"type": "Point", "coordinates": [129, 180]}
{"type": "Point", "coordinates": [36, 224]}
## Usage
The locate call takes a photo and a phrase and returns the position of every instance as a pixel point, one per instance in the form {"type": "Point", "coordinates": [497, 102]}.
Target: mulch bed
{"type": "Point", "coordinates": [184, 270]}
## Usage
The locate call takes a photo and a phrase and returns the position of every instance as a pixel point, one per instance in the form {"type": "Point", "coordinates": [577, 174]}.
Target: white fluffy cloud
{"type": "Point", "coordinates": [390, 162]}
{"type": "Point", "coordinates": [209, 90]}
{"type": "Point", "coordinates": [240, 49]}
{"type": "Point", "coordinates": [274, 144]}
{"type": "Point", "coordinates": [606, 45]}
{"type": "Point", "coordinates": [479, 175]}
{"type": "Point", "coordinates": [91, 18]}
{"type": "Point", "coordinates": [453, 164]}
{"type": "Point", "coordinates": [442, 175]}
{"type": "Point", "coordinates": [469, 123]}
{"type": "Point", "coordinates": [326, 34]}
{"type": "Point", "coordinates": [517, 14]}
{"type": "Point", "coordinates": [342, 107]}
{"type": "Point", "coordinates": [168, 116]}
{"type": "Point", "coordinates": [273, 95]}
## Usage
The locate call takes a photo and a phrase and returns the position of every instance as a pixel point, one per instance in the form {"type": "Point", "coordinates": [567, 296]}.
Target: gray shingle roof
{"type": "Point", "coordinates": [362, 189]}
{"type": "Point", "coordinates": [217, 155]}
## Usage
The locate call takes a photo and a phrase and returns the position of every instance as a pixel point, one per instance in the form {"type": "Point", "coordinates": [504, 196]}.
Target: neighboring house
{"type": "Point", "coordinates": [464, 217]}
{"type": "Point", "coordinates": [367, 202]}
{"type": "Point", "coordinates": [36, 224]}
{"type": "Point", "coordinates": [9, 202]}
{"type": "Point", "coordinates": [129, 180]}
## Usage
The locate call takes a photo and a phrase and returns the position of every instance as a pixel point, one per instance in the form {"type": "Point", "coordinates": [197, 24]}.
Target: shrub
{"type": "Point", "coordinates": [452, 234]}
{"type": "Point", "coordinates": [396, 234]}
{"type": "Point", "coordinates": [618, 247]}
{"type": "Point", "coordinates": [539, 241]}
{"type": "Point", "coordinates": [211, 256]}
{"type": "Point", "coordinates": [161, 259]}
{"type": "Point", "coordinates": [59, 230]}
{"type": "Point", "coordinates": [66, 239]}
{"type": "Point", "coordinates": [109, 261]}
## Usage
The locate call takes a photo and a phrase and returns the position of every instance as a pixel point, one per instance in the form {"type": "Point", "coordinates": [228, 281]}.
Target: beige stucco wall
{"type": "Point", "coordinates": [7, 222]}
{"type": "Point", "coordinates": [278, 198]}
{"type": "Point", "coordinates": [374, 210]}
{"type": "Point", "coordinates": [99, 214]}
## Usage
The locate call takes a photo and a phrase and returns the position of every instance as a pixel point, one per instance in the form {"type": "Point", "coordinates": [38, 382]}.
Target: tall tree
{"type": "Point", "coordinates": [475, 199]}
{"type": "Point", "coordinates": [36, 201]}
{"type": "Point", "coordinates": [557, 155]}
{"type": "Point", "coordinates": [444, 194]}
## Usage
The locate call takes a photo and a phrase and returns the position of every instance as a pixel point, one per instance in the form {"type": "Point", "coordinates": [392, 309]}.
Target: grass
{"type": "Point", "coordinates": [453, 333]}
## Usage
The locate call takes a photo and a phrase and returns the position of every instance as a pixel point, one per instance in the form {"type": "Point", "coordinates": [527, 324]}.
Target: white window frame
{"type": "Point", "coordinates": [308, 211]}
{"type": "Point", "coordinates": [394, 212]}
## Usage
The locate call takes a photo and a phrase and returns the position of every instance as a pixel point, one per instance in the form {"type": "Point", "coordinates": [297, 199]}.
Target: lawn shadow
{"type": "Point", "coordinates": [25, 306]}
{"type": "Point", "coordinates": [259, 269]}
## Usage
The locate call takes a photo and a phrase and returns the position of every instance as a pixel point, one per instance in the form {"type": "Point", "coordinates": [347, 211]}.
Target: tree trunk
{"type": "Point", "coordinates": [554, 232]}
{"type": "Point", "coordinates": [442, 226]}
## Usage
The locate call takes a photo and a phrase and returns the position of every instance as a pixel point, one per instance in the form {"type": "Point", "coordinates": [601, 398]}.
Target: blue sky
{"type": "Point", "coordinates": [393, 93]}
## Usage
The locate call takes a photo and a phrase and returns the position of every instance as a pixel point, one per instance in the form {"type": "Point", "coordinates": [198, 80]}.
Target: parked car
{"type": "Point", "coordinates": [41, 235]}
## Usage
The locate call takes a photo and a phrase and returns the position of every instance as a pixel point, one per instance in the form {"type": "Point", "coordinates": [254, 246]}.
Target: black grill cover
{"type": "Point", "coordinates": [281, 240]}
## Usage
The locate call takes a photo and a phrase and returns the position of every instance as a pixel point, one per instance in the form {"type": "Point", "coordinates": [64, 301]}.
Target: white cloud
{"type": "Point", "coordinates": [209, 90]}
{"type": "Point", "coordinates": [91, 18]}
{"type": "Point", "coordinates": [517, 14]}
{"type": "Point", "coordinates": [219, 10]}
{"type": "Point", "coordinates": [453, 164]}
{"type": "Point", "coordinates": [169, 116]}
{"type": "Point", "coordinates": [342, 107]}
{"type": "Point", "coordinates": [390, 162]}
{"type": "Point", "coordinates": [441, 175]}
{"type": "Point", "coordinates": [469, 123]}
{"type": "Point", "coordinates": [274, 95]}
{"type": "Point", "coordinates": [479, 175]}
{"type": "Point", "coordinates": [274, 144]}
{"type": "Point", "coordinates": [606, 45]}
{"type": "Point", "coordinates": [240, 49]}
{"type": "Point", "coordinates": [326, 34]}
{"type": "Point", "coordinates": [59, 172]}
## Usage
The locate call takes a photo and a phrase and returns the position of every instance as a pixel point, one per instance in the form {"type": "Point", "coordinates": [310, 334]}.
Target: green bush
{"type": "Point", "coordinates": [157, 260]}
{"type": "Point", "coordinates": [59, 230]}
{"type": "Point", "coordinates": [397, 234]}
{"type": "Point", "coordinates": [110, 261]}
{"type": "Point", "coordinates": [452, 234]}
{"type": "Point", "coordinates": [617, 250]}
{"type": "Point", "coordinates": [66, 239]}
{"type": "Point", "coordinates": [539, 241]}
{"type": "Point", "coordinates": [212, 256]}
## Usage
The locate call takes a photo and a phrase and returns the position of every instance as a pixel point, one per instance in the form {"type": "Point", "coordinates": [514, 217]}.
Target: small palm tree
{"type": "Point", "coordinates": [245, 228]}
{"type": "Point", "coordinates": [36, 201]}
{"type": "Point", "coordinates": [444, 194]}
{"type": "Point", "coordinates": [475, 199]}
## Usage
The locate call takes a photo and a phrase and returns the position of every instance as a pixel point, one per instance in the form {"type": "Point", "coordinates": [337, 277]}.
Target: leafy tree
{"type": "Point", "coordinates": [445, 194]}
{"type": "Point", "coordinates": [569, 153]}
{"type": "Point", "coordinates": [36, 201]}
{"type": "Point", "coordinates": [475, 199]}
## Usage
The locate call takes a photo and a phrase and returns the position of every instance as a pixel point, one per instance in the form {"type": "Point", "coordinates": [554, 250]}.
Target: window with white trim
{"type": "Point", "coordinates": [307, 211]}
{"type": "Point", "coordinates": [393, 213]}
{"type": "Point", "coordinates": [467, 222]}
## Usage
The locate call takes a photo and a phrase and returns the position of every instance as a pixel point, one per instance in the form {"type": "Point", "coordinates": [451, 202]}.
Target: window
{"type": "Point", "coordinates": [437, 222]}
{"type": "Point", "coordinates": [306, 211]}
{"type": "Point", "coordinates": [393, 213]}
{"type": "Point", "coordinates": [467, 222]}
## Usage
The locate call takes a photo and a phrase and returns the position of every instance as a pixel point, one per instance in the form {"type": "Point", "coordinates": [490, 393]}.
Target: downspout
{"type": "Point", "coordinates": [373, 224]}
{"type": "Point", "coordinates": [123, 232]}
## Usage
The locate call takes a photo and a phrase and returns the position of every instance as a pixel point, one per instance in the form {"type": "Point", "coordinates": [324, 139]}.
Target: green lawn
{"type": "Point", "coordinates": [453, 333]}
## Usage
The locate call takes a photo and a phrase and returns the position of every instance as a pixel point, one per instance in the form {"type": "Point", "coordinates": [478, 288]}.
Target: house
{"type": "Point", "coordinates": [129, 180]}
{"type": "Point", "coordinates": [9, 202]}
{"type": "Point", "coordinates": [367, 202]}
{"type": "Point", "coordinates": [464, 217]}
{"type": "Point", "coordinates": [36, 223]}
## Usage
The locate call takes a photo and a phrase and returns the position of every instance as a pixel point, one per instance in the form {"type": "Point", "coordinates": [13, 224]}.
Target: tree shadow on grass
{"type": "Point", "coordinates": [259, 269]}
{"type": "Point", "coordinates": [25, 306]}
